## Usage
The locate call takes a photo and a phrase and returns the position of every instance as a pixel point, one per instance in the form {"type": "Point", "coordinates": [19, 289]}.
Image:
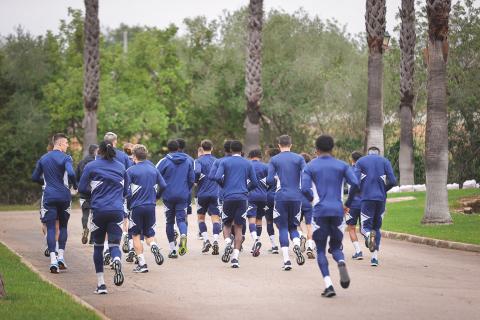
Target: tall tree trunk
{"type": "Point", "coordinates": [3, 293]}
{"type": "Point", "coordinates": [436, 140]}
{"type": "Point", "coordinates": [253, 75]}
{"type": "Point", "coordinates": [375, 25]}
{"type": "Point", "coordinates": [407, 70]}
{"type": "Point", "coordinates": [91, 76]}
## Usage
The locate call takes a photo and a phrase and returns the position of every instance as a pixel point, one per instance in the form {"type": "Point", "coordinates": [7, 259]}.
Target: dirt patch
{"type": "Point", "coordinates": [400, 199]}
{"type": "Point", "coordinates": [469, 205]}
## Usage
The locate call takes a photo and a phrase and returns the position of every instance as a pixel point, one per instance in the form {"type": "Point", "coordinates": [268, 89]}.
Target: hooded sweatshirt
{"type": "Point", "coordinates": [179, 175]}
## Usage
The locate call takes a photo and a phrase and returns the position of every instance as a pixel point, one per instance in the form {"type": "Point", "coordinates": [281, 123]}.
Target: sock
{"type": "Point", "coordinates": [100, 279]}
{"type": "Point", "coordinates": [215, 237]}
{"type": "Point", "coordinates": [272, 240]}
{"type": "Point", "coordinates": [286, 256]}
{"type": "Point", "coordinates": [259, 230]}
{"type": "Point", "coordinates": [228, 241]}
{"type": "Point", "coordinates": [356, 245]}
{"type": "Point", "coordinates": [205, 236]}
{"type": "Point", "coordinates": [60, 254]}
{"type": "Point", "coordinates": [130, 244]}
{"type": "Point", "coordinates": [300, 233]}
{"type": "Point", "coordinates": [375, 254]}
{"type": "Point", "coordinates": [141, 259]}
{"type": "Point", "coordinates": [235, 254]}
{"type": "Point", "coordinates": [296, 241]}
{"type": "Point", "coordinates": [254, 235]}
{"type": "Point", "coordinates": [171, 245]}
{"type": "Point", "coordinates": [310, 244]}
{"type": "Point", "coordinates": [328, 281]}
{"type": "Point", "coordinates": [56, 246]}
{"type": "Point", "coordinates": [53, 258]}
{"type": "Point", "coordinates": [153, 244]}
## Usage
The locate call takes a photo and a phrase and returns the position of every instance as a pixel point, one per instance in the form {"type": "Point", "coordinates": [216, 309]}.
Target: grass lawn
{"type": "Point", "coordinates": [405, 217]}
{"type": "Point", "coordinates": [29, 297]}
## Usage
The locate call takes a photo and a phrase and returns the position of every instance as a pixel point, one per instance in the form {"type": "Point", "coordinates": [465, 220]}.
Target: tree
{"type": "Point", "coordinates": [407, 69]}
{"type": "Point", "coordinates": [436, 136]}
{"type": "Point", "coordinates": [253, 75]}
{"type": "Point", "coordinates": [91, 76]}
{"type": "Point", "coordinates": [375, 25]}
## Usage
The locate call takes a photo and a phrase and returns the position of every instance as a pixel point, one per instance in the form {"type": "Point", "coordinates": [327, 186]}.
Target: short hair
{"type": "Point", "coordinates": [127, 148]}
{"type": "Point", "coordinates": [181, 143]}
{"type": "Point", "coordinates": [273, 152]}
{"type": "Point", "coordinates": [284, 140]}
{"type": "Point", "coordinates": [110, 137]}
{"type": "Point", "coordinates": [172, 145]}
{"type": "Point", "coordinates": [50, 145]}
{"type": "Point", "coordinates": [356, 155]}
{"type": "Point", "coordinates": [255, 153]}
{"type": "Point", "coordinates": [140, 152]}
{"type": "Point", "coordinates": [227, 146]}
{"type": "Point", "coordinates": [373, 150]}
{"type": "Point", "coordinates": [58, 136]}
{"type": "Point", "coordinates": [236, 146]}
{"type": "Point", "coordinates": [306, 157]}
{"type": "Point", "coordinates": [206, 145]}
{"type": "Point", "coordinates": [92, 148]}
{"type": "Point", "coordinates": [324, 143]}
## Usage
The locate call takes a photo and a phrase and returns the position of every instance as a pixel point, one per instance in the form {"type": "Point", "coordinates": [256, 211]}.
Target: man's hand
{"type": "Point", "coordinates": [346, 210]}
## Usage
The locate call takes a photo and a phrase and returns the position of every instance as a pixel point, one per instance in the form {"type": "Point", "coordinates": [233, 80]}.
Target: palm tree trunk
{"type": "Point", "coordinates": [2, 288]}
{"type": "Point", "coordinates": [375, 25]}
{"type": "Point", "coordinates": [91, 76]}
{"type": "Point", "coordinates": [407, 64]}
{"type": "Point", "coordinates": [436, 140]}
{"type": "Point", "coordinates": [253, 75]}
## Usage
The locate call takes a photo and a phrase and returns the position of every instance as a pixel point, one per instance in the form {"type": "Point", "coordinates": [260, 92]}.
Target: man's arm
{"type": "Point", "coordinates": [197, 168]}
{"type": "Point", "coordinates": [271, 175]}
{"type": "Point", "coordinates": [191, 176]}
{"type": "Point", "coordinates": [213, 169]}
{"type": "Point", "coordinates": [162, 185]}
{"type": "Point", "coordinates": [70, 172]}
{"type": "Point", "coordinates": [307, 184]}
{"type": "Point", "coordinates": [391, 179]}
{"type": "Point", "coordinates": [219, 175]}
{"type": "Point", "coordinates": [37, 173]}
{"type": "Point", "coordinates": [353, 190]}
{"type": "Point", "coordinates": [84, 184]}
{"type": "Point", "coordinates": [252, 176]}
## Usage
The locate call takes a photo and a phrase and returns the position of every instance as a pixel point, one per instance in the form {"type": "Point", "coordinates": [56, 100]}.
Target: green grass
{"type": "Point", "coordinates": [31, 207]}
{"type": "Point", "coordinates": [29, 297]}
{"type": "Point", "coordinates": [405, 217]}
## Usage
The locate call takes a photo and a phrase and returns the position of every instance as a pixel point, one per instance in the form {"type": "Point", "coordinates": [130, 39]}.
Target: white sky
{"type": "Point", "coordinates": [37, 16]}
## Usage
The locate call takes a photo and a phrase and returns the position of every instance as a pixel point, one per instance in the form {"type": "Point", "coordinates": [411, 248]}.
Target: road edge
{"type": "Point", "coordinates": [445, 244]}
{"type": "Point", "coordinates": [71, 295]}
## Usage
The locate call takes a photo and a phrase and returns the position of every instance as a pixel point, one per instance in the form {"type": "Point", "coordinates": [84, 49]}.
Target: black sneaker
{"type": "Point", "coordinates": [85, 236]}
{"type": "Point", "coordinates": [54, 268]}
{"type": "Point", "coordinates": [141, 269]}
{"type": "Point", "coordinates": [118, 276]}
{"type": "Point", "coordinates": [298, 253]}
{"type": "Point", "coordinates": [303, 241]}
{"type": "Point", "coordinates": [215, 248]}
{"type": "Point", "coordinates": [46, 252]}
{"type": "Point", "coordinates": [329, 292]}
{"type": "Point", "coordinates": [235, 264]}
{"type": "Point", "coordinates": [256, 248]}
{"type": "Point", "coordinates": [226, 254]}
{"type": "Point", "coordinates": [206, 246]}
{"type": "Point", "coordinates": [173, 254]}
{"type": "Point", "coordinates": [102, 289]}
{"type": "Point", "coordinates": [125, 244]}
{"type": "Point", "coordinates": [158, 256]}
{"type": "Point", "coordinates": [106, 258]}
{"type": "Point", "coordinates": [344, 277]}
{"type": "Point", "coordinates": [274, 250]}
{"type": "Point", "coordinates": [287, 266]}
{"type": "Point", "coordinates": [130, 256]}
{"type": "Point", "coordinates": [310, 253]}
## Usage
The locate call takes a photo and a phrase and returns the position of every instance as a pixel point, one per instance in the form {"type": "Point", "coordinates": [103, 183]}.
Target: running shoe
{"type": "Point", "coordinates": [256, 248]}
{"type": "Point", "coordinates": [310, 253]}
{"type": "Point", "coordinates": [173, 254]}
{"type": "Point", "coordinates": [158, 256]}
{"type": "Point", "coordinates": [118, 276]}
{"type": "Point", "coordinates": [329, 292]}
{"type": "Point", "coordinates": [303, 241]}
{"type": "Point", "coordinates": [130, 256]}
{"type": "Point", "coordinates": [125, 243]}
{"type": "Point", "coordinates": [374, 262]}
{"type": "Point", "coordinates": [101, 289]}
{"type": "Point", "coordinates": [287, 266]}
{"type": "Point", "coordinates": [141, 269]}
{"type": "Point", "coordinates": [85, 236]}
{"type": "Point", "coordinates": [206, 246]}
{"type": "Point", "coordinates": [226, 254]}
{"type": "Point", "coordinates": [274, 250]}
{"type": "Point", "coordinates": [54, 268]}
{"type": "Point", "coordinates": [235, 263]}
{"type": "Point", "coordinates": [215, 248]}
{"type": "Point", "coordinates": [358, 256]}
{"type": "Point", "coordinates": [182, 248]}
{"type": "Point", "coordinates": [344, 277]}
{"type": "Point", "coordinates": [62, 265]}
{"type": "Point", "coordinates": [298, 253]}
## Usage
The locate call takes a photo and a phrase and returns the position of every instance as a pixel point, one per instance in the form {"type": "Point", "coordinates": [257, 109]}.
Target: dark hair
{"type": "Point", "coordinates": [206, 145]}
{"type": "Point", "coordinates": [127, 148]}
{"type": "Point", "coordinates": [140, 152]}
{"type": "Point", "coordinates": [255, 153]}
{"type": "Point", "coordinates": [273, 152]}
{"type": "Point", "coordinates": [106, 150]}
{"type": "Point", "coordinates": [172, 145]}
{"type": "Point", "coordinates": [324, 143]}
{"type": "Point", "coordinates": [236, 146]}
{"type": "Point", "coordinates": [356, 155]}
{"type": "Point", "coordinates": [284, 140]}
{"type": "Point", "coordinates": [58, 136]}
{"type": "Point", "coordinates": [374, 149]}
{"type": "Point", "coordinates": [181, 143]}
{"type": "Point", "coordinates": [306, 157]}
{"type": "Point", "coordinates": [92, 148]}
{"type": "Point", "coordinates": [50, 145]}
{"type": "Point", "coordinates": [227, 146]}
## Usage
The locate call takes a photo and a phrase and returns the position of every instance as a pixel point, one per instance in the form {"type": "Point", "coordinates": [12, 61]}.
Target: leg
{"type": "Point", "coordinates": [169, 228]}
{"type": "Point", "coordinates": [63, 217]}
{"type": "Point", "coordinates": [337, 226]}
{"type": "Point", "coordinates": [98, 234]}
{"type": "Point", "coordinates": [351, 221]}
{"type": "Point", "coordinates": [294, 209]}
{"type": "Point", "coordinates": [181, 217]}
{"type": "Point", "coordinates": [228, 214]}
{"type": "Point", "coordinates": [240, 208]}
{"type": "Point", "coordinates": [366, 216]}
{"type": "Point", "coordinates": [114, 231]}
{"type": "Point", "coordinates": [321, 232]}
{"type": "Point", "coordinates": [280, 215]}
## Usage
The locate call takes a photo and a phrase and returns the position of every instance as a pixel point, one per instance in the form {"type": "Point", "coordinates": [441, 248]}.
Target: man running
{"type": "Point", "coordinates": [182, 144]}
{"type": "Point", "coordinates": [232, 174]}
{"type": "Point", "coordinates": [377, 178]}
{"type": "Point", "coordinates": [207, 197]}
{"type": "Point", "coordinates": [352, 209]}
{"type": "Point", "coordinates": [269, 208]}
{"type": "Point", "coordinates": [179, 175]}
{"type": "Point", "coordinates": [106, 182]}
{"type": "Point", "coordinates": [146, 186]}
{"type": "Point", "coordinates": [56, 168]}
{"type": "Point", "coordinates": [307, 215]}
{"type": "Point", "coordinates": [327, 175]}
{"type": "Point", "coordinates": [287, 167]}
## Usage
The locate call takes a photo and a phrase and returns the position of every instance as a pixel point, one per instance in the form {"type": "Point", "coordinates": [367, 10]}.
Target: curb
{"type": "Point", "coordinates": [432, 242]}
{"type": "Point", "coordinates": [71, 295]}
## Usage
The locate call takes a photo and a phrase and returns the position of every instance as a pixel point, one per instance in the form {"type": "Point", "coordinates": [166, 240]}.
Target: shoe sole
{"type": "Point", "coordinates": [173, 257]}
{"type": "Point", "coordinates": [143, 271]}
{"type": "Point", "coordinates": [310, 255]}
{"type": "Point", "coordinates": [62, 266]}
{"type": "Point", "coordinates": [287, 268]}
{"type": "Point", "coordinates": [158, 256]}
{"type": "Point", "coordinates": [130, 258]}
{"type": "Point", "coordinates": [374, 264]}
{"type": "Point", "coordinates": [371, 241]}
{"type": "Point", "coordinates": [85, 237]}
{"type": "Point", "coordinates": [46, 253]}
{"type": "Point", "coordinates": [235, 266]}
{"type": "Point", "coordinates": [329, 295]}
{"type": "Point", "coordinates": [256, 249]}
{"type": "Point", "coordinates": [227, 253]}
{"type": "Point", "coordinates": [118, 277]}
{"type": "Point", "coordinates": [344, 277]}
{"type": "Point", "coordinates": [357, 258]}
{"type": "Point", "coordinates": [215, 249]}
{"type": "Point", "coordinates": [54, 269]}
{"type": "Point", "coordinates": [175, 233]}
{"type": "Point", "coordinates": [206, 248]}
{"type": "Point", "coordinates": [182, 249]}
{"type": "Point", "coordinates": [106, 260]}
{"type": "Point", "coordinates": [298, 253]}
{"type": "Point", "coordinates": [125, 248]}
{"type": "Point", "coordinates": [303, 242]}
{"type": "Point", "coordinates": [100, 292]}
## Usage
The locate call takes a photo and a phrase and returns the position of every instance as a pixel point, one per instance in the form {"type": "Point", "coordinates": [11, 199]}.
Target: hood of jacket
{"type": "Point", "coordinates": [177, 157]}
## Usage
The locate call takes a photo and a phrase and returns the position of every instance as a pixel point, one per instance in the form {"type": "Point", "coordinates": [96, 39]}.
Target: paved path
{"type": "Point", "coordinates": [413, 281]}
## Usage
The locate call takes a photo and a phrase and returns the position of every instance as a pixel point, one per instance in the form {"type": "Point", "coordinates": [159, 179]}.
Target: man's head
{"type": "Point", "coordinates": [284, 142]}
{"type": "Point", "coordinates": [273, 152]}
{"type": "Point", "coordinates": [139, 152]}
{"type": "Point", "coordinates": [255, 154]}
{"type": "Point", "coordinates": [111, 137]}
{"type": "Point", "coordinates": [181, 144]}
{"type": "Point", "coordinates": [207, 146]}
{"type": "Point", "coordinates": [306, 157]}
{"type": "Point", "coordinates": [227, 146]}
{"type": "Point", "coordinates": [355, 156]}
{"type": "Point", "coordinates": [93, 149]}
{"type": "Point", "coordinates": [236, 147]}
{"type": "Point", "coordinates": [324, 144]}
{"type": "Point", "coordinates": [128, 148]}
{"type": "Point", "coordinates": [373, 150]}
{"type": "Point", "coordinates": [60, 142]}
{"type": "Point", "coordinates": [172, 145]}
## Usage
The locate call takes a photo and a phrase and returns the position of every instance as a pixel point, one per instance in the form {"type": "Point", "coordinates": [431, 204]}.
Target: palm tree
{"type": "Point", "coordinates": [436, 137]}
{"type": "Point", "coordinates": [375, 25]}
{"type": "Point", "coordinates": [91, 76]}
{"type": "Point", "coordinates": [253, 75]}
{"type": "Point", "coordinates": [407, 46]}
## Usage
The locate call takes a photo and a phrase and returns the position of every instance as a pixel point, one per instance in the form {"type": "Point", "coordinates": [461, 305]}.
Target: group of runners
{"type": "Point", "coordinates": [119, 190]}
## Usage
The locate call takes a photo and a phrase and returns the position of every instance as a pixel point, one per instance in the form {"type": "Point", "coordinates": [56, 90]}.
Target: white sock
{"type": "Point", "coordinates": [171, 245]}
{"type": "Point", "coordinates": [56, 246]}
{"type": "Point", "coordinates": [272, 240]}
{"type": "Point", "coordinates": [235, 254]}
{"type": "Point", "coordinates": [130, 244]}
{"type": "Point", "coordinates": [215, 237]}
{"type": "Point", "coordinates": [205, 236]}
{"type": "Point", "coordinates": [300, 233]}
{"type": "Point", "coordinates": [286, 256]}
{"type": "Point", "coordinates": [228, 241]}
{"type": "Point", "coordinates": [310, 244]}
{"type": "Point", "coordinates": [124, 233]}
{"type": "Point", "coordinates": [375, 254]}
{"type": "Point", "coordinates": [116, 259]}
{"type": "Point", "coordinates": [328, 281]}
{"type": "Point", "coordinates": [183, 235]}
{"type": "Point", "coordinates": [296, 241]}
{"type": "Point", "coordinates": [60, 254]}
{"type": "Point", "coordinates": [141, 259]}
{"type": "Point", "coordinates": [356, 245]}
{"type": "Point", "coordinates": [100, 279]}
{"type": "Point", "coordinates": [53, 258]}
{"type": "Point", "coordinates": [153, 243]}
{"type": "Point", "coordinates": [254, 235]}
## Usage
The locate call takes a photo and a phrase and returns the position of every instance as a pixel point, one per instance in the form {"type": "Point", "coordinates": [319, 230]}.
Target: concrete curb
{"type": "Point", "coordinates": [71, 295]}
{"type": "Point", "coordinates": [432, 242]}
